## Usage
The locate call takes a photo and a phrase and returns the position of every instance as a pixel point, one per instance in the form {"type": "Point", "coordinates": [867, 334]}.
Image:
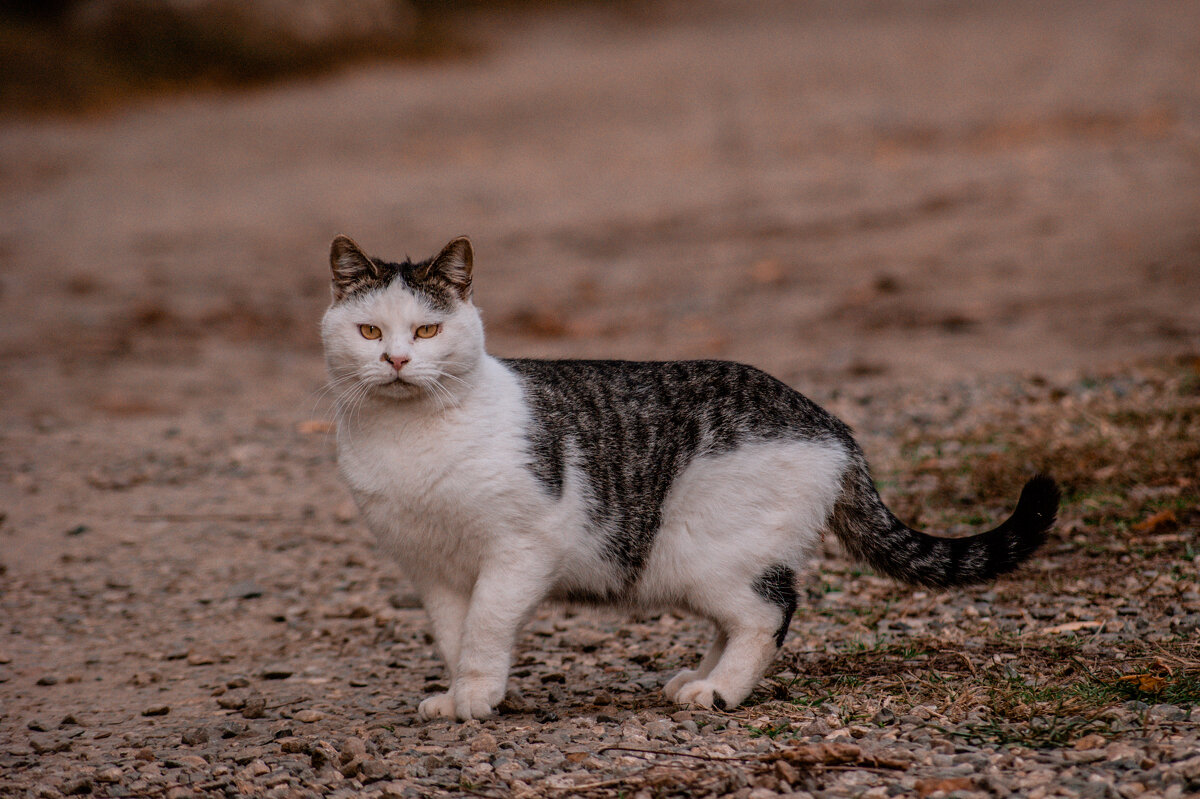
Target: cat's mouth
{"type": "Point", "coordinates": [398, 386]}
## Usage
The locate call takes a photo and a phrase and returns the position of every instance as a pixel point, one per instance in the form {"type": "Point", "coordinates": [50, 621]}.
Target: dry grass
{"type": "Point", "coordinates": [1127, 451]}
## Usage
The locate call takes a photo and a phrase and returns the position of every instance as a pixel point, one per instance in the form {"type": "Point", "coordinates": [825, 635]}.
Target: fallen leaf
{"type": "Point", "coordinates": [1072, 627]}
{"type": "Point", "coordinates": [825, 754]}
{"type": "Point", "coordinates": [1147, 683]}
{"type": "Point", "coordinates": [1158, 521]}
{"type": "Point", "coordinates": [931, 786]}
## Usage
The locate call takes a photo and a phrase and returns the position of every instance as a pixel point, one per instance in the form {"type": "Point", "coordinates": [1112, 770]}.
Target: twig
{"type": "Point", "coordinates": [710, 758]}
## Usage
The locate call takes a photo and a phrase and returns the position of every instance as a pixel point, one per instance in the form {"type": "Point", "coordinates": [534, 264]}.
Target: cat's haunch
{"type": "Point", "coordinates": [697, 486]}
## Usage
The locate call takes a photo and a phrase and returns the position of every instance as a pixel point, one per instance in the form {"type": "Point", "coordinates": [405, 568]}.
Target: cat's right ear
{"type": "Point", "coordinates": [350, 265]}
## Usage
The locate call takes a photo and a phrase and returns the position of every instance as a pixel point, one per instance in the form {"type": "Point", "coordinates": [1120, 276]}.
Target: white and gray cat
{"type": "Point", "coordinates": [697, 486]}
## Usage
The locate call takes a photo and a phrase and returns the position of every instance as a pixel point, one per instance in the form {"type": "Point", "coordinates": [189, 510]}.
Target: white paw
{"type": "Point", "coordinates": [436, 706]}
{"type": "Point", "coordinates": [672, 688]}
{"type": "Point", "coordinates": [474, 701]}
{"type": "Point", "coordinates": [701, 693]}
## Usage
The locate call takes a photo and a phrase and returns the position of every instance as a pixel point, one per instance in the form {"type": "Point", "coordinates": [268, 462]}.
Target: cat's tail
{"type": "Point", "coordinates": [871, 533]}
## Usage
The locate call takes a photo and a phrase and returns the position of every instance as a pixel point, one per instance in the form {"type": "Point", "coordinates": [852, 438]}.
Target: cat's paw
{"type": "Point", "coordinates": [475, 701]}
{"type": "Point", "coordinates": [676, 683]}
{"type": "Point", "coordinates": [701, 693]}
{"type": "Point", "coordinates": [436, 706]}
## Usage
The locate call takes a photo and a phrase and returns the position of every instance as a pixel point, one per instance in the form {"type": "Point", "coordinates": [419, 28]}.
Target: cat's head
{"type": "Point", "coordinates": [403, 330]}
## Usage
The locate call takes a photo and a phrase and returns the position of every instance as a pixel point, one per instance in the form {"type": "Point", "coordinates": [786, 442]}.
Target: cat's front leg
{"type": "Point", "coordinates": [505, 595]}
{"type": "Point", "coordinates": [447, 610]}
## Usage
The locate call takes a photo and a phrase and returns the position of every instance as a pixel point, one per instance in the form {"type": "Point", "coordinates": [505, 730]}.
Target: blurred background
{"type": "Point", "coordinates": [838, 192]}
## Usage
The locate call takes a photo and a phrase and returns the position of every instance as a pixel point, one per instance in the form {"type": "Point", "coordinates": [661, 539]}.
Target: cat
{"type": "Point", "coordinates": [694, 486]}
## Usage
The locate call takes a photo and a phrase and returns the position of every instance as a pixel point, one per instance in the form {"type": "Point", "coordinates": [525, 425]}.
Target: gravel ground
{"type": "Point", "coordinates": [968, 229]}
{"type": "Point", "coordinates": [240, 640]}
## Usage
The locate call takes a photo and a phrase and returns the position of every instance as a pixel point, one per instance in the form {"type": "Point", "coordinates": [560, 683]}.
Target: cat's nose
{"type": "Point", "coordinates": [397, 361]}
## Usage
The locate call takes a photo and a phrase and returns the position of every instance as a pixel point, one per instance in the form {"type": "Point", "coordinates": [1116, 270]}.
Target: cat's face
{"type": "Point", "coordinates": [404, 330]}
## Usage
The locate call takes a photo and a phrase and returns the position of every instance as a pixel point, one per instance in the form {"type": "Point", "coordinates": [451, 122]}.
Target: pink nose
{"type": "Point", "coordinates": [397, 361]}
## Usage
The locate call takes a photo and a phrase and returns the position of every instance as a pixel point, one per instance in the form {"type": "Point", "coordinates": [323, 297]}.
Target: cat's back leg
{"type": "Point", "coordinates": [737, 529]}
{"type": "Point", "coordinates": [752, 622]}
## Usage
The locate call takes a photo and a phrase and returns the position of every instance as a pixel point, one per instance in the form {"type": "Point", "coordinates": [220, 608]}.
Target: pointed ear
{"type": "Point", "coordinates": [453, 265]}
{"type": "Point", "coordinates": [351, 267]}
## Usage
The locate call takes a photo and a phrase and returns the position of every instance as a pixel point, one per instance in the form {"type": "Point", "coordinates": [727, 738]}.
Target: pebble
{"type": "Point", "coordinates": [194, 736]}
{"type": "Point", "coordinates": [77, 786]}
{"type": "Point", "coordinates": [109, 775]}
{"type": "Point", "coordinates": [156, 710]}
{"type": "Point", "coordinates": [277, 671]}
{"type": "Point", "coordinates": [484, 742]}
{"type": "Point", "coordinates": [308, 716]}
{"type": "Point", "coordinates": [255, 707]}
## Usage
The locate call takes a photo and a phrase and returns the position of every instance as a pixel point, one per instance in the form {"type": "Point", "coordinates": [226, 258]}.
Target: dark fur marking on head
{"type": "Point", "coordinates": [777, 585]}
{"type": "Point", "coordinates": [442, 280]}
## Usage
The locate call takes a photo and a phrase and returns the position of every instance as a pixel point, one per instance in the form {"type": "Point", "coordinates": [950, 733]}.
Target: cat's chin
{"type": "Point", "coordinates": [399, 389]}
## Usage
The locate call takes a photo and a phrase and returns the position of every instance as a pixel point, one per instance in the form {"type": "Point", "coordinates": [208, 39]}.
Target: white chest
{"type": "Point", "coordinates": [438, 486]}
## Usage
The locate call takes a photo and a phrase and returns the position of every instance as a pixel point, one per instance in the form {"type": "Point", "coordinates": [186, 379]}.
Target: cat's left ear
{"type": "Point", "coordinates": [454, 265]}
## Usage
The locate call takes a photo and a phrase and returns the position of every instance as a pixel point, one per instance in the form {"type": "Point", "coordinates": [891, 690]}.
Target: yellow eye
{"type": "Point", "coordinates": [427, 331]}
{"type": "Point", "coordinates": [370, 331]}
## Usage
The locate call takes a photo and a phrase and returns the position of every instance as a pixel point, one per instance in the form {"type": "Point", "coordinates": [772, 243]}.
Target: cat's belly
{"type": "Point", "coordinates": [729, 517]}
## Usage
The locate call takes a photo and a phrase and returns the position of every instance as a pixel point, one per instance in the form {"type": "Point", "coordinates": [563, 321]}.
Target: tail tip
{"type": "Point", "coordinates": [1038, 505]}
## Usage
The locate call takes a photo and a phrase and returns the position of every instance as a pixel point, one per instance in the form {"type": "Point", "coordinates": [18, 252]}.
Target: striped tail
{"type": "Point", "coordinates": [870, 533]}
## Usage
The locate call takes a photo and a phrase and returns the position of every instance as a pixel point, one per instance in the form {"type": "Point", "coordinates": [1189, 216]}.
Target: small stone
{"type": "Point", "coordinates": [484, 742]}
{"type": "Point", "coordinates": [1189, 769]}
{"type": "Point", "coordinates": [110, 775]}
{"type": "Point", "coordinates": [200, 659]}
{"type": "Point", "coordinates": [255, 707]}
{"type": "Point", "coordinates": [231, 702]}
{"type": "Point", "coordinates": [245, 756]}
{"type": "Point", "coordinates": [179, 792]}
{"type": "Point", "coordinates": [144, 754]}
{"type": "Point", "coordinates": [1092, 741]}
{"type": "Point", "coordinates": [662, 730]}
{"type": "Point", "coordinates": [232, 729]}
{"type": "Point", "coordinates": [48, 679]}
{"type": "Point", "coordinates": [237, 682]}
{"type": "Point", "coordinates": [884, 717]}
{"type": "Point", "coordinates": [247, 589]}
{"type": "Point", "coordinates": [157, 710]}
{"type": "Point", "coordinates": [1168, 712]}
{"type": "Point", "coordinates": [352, 748]}
{"type": "Point", "coordinates": [194, 736]}
{"type": "Point", "coordinates": [292, 745]}
{"type": "Point", "coordinates": [37, 725]}
{"type": "Point", "coordinates": [257, 768]}
{"type": "Point", "coordinates": [308, 716]}
{"type": "Point", "coordinates": [577, 755]}
{"type": "Point", "coordinates": [374, 771]}
{"type": "Point", "coordinates": [192, 761]}
{"type": "Point", "coordinates": [277, 671]}
{"type": "Point", "coordinates": [77, 786]}
{"type": "Point", "coordinates": [322, 754]}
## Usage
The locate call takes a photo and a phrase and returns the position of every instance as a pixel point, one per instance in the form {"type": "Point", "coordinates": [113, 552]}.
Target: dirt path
{"type": "Point", "coordinates": [945, 220]}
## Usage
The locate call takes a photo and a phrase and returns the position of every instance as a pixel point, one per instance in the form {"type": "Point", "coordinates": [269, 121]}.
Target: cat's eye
{"type": "Point", "coordinates": [370, 331]}
{"type": "Point", "coordinates": [427, 331]}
